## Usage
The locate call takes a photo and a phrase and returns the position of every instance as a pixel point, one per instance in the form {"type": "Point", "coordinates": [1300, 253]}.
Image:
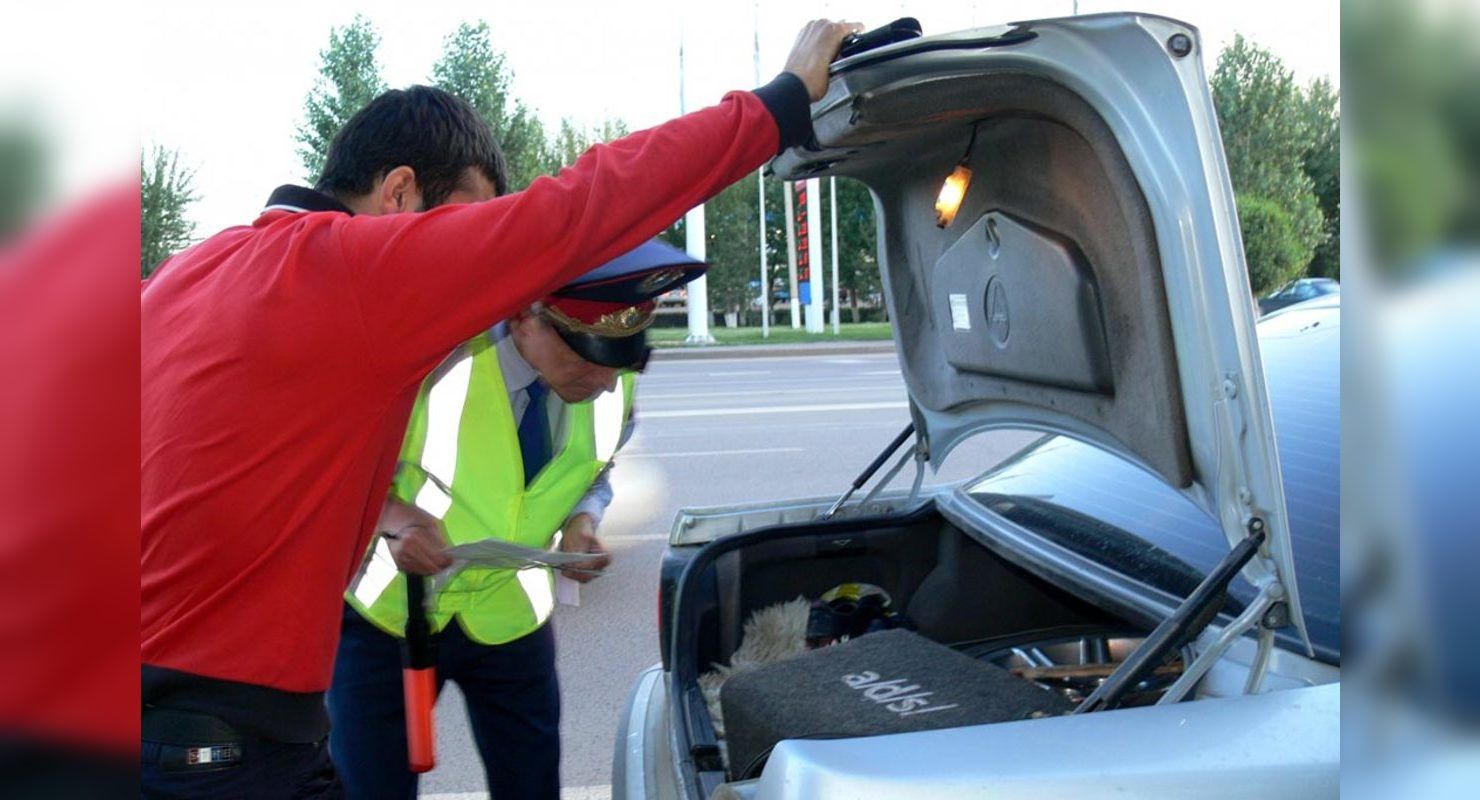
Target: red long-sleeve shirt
{"type": "Point", "coordinates": [279, 363]}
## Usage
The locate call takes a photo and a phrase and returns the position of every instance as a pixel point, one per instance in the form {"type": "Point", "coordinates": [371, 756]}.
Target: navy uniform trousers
{"type": "Point", "coordinates": [513, 703]}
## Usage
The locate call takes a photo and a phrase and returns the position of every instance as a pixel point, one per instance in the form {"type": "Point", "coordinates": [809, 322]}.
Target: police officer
{"type": "Point", "coordinates": [507, 441]}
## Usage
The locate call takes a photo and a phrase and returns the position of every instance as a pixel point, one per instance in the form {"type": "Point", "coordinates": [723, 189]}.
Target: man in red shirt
{"type": "Point", "coordinates": [278, 366]}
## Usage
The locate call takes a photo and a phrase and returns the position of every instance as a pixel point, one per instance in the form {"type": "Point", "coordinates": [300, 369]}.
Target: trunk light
{"type": "Point", "coordinates": [952, 192]}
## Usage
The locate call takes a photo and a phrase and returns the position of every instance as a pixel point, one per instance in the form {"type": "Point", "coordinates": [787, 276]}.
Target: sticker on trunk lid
{"type": "Point", "coordinates": [960, 313]}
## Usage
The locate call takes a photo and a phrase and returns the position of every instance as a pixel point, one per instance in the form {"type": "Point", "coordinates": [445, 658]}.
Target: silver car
{"type": "Point", "coordinates": [1297, 291]}
{"type": "Point", "coordinates": [1060, 253]}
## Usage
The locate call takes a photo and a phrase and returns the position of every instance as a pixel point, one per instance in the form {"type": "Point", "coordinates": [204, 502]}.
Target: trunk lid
{"type": "Point", "coordinates": [1092, 283]}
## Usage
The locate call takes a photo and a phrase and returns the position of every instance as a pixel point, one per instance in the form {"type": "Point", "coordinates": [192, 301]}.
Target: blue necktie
{"type": "Point", "coordinates": [534, 432]}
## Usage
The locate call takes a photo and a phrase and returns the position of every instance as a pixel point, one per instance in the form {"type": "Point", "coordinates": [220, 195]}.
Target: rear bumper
{"type": "Point", "coordinates": [642, 766]}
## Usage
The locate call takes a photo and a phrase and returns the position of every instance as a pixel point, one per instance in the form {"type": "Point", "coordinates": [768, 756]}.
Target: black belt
{"type": "Point", "coordinates": [172, 726]}
{"type": "Point", "coordinates": [273, 714]}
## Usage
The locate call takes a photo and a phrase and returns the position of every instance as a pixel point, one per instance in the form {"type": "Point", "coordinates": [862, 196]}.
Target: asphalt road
{"type": "Point", "coordinates": [710, 432]}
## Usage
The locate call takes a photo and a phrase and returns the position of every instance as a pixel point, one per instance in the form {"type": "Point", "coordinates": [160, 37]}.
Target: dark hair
{"type": "Point", "coordinates": [435, 133]}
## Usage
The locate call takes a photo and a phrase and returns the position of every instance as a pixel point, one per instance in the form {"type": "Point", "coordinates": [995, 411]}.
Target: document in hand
{"type": "Point", "coordinates": [499, 554]}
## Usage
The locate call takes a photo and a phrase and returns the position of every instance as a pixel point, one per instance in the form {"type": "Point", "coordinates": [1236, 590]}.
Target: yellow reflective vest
{"type": "Point", "coordinates": [461, 463]}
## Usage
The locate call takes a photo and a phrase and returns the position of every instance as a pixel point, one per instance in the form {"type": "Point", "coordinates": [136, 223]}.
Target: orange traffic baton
{"type": "Point", "coordinates": [419, 678]}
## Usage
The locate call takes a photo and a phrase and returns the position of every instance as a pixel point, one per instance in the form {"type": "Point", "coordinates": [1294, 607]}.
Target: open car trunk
{"type": "Point", "coordinates": [1060, 252]}
{"type": "Point", "coordinates": [952, 588]}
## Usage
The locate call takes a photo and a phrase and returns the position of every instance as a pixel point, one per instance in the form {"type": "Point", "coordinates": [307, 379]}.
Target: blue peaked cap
{"type": "Point", "coordinates": [637, 276]}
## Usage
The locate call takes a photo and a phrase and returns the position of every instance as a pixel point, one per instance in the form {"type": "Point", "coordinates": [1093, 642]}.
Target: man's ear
{"type": "Point", "coordinates": [398, 192]}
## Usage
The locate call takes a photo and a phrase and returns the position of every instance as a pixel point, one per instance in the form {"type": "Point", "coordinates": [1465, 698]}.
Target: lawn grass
{"type": "Point", "coordinates": [861, 332]}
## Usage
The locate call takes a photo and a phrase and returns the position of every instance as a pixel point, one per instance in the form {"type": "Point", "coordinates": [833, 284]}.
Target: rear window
{"type": "Point", "coordinates": [1063, 488]}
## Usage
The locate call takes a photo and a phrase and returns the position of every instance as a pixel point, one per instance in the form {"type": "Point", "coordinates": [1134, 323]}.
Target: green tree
{"type": "Point", "coordinates": [776, 243]}
{"type": "Point", "coordinates": [166, 190]}
{"type": "Point", "coordinates": [1322, 160]}
{"type": "Point", "coordinates": [1261, 112]}
{"type": "Point", "coordinates": [731, 228]}
{"type": "Point", "coordinates": [349, 78]}
{"type": "Point", "coordinates": [572, 140]}
{"type": "Point", "coordinates": [1273, 249]}
{"type": "Point", "coordinates": [472, 69]}
{"type": "Point", "coordinates": [731, 231]}
{"type": "Point", "coordinates": [610, 129]}
{"type": "Point", "coordinates": [732, 246]}
{"type": "Point", "coordinates": [858, 261]}
{"type": "Point", "coordinates": [567, 145]}
{"type": "Point", "coordinates": [1415, 107]}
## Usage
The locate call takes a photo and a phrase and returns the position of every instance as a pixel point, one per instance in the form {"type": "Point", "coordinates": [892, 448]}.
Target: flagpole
{"type": "Point", "coordinates": [760, 182]}
{"type": "Point", "coordinates": [698, 289]}
{"type": "Point", "coordinates": [837, 312]}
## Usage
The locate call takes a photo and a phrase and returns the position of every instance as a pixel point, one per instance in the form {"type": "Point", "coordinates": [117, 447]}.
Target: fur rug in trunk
{"type": "Point", "coordinates": [774, 633]}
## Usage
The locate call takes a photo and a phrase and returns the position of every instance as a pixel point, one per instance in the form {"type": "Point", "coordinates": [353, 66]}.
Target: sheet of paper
{"type": "Point", "coordinates": [500, 554]}
{"type": "Point", "coordinates": [567, 591]}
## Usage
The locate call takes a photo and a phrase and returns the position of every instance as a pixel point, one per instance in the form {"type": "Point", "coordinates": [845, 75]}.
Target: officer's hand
{"type": "Point", "coordinates": [579, 536]}
{"type": "Point", "coordinates": [815, 48]}
{"type": "Point", "coordinates": [416, 539]}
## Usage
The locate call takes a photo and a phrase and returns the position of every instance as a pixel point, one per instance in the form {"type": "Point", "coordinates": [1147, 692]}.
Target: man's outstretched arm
{"type": "Point", "coordinates": [426, 282]}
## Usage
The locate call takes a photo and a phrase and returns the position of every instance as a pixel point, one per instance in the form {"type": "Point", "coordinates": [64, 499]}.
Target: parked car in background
{"type": "Point", "coordinates": [1059, 253]}
{"type": "Point", "coordinates": [1297, 291]}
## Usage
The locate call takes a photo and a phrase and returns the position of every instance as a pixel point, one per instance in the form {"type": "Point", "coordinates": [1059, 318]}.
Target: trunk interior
{"type": "Point", "coordinates": [955, 591]}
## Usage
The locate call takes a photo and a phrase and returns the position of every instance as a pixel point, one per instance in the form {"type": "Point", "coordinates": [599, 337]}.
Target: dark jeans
{"type": "Point", "coordinates": [513, 703]}
{"type": "Point", "coordinates": [265, 771]}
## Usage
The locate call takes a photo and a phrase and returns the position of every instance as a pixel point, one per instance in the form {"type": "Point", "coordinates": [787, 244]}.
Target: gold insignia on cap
{"type": "Point", "coordinates": [617, 324]}
{"type": "Point", "coordinates": [652, 283]}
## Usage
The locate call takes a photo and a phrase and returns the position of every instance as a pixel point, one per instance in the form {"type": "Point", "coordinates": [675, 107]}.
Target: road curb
{"type": "Point", "coordinates": [691, 353]}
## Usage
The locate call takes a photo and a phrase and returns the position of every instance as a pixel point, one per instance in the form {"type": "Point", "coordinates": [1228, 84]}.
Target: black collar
{"type": "Point", "coordinates": [304, 199]}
